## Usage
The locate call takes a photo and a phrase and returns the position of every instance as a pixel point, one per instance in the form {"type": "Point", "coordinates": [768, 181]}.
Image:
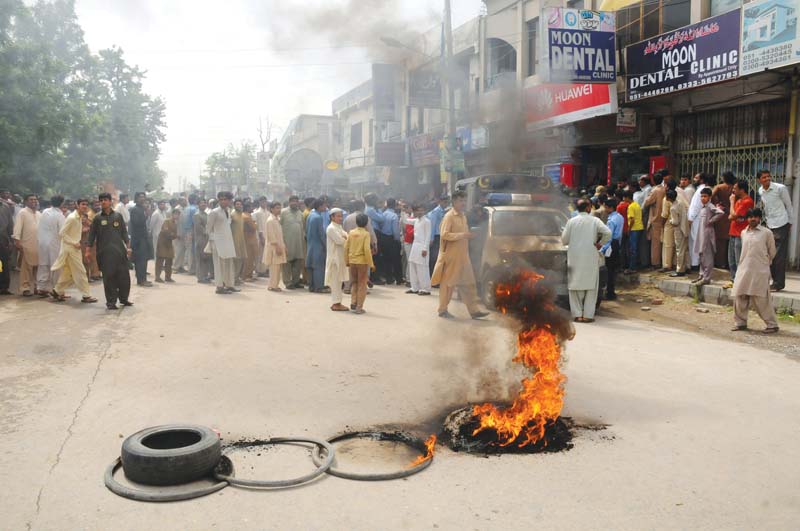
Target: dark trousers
{"type": "Point", "coordinates": [382, 267]}
{"type": "Point", "coordinates": [393, 261]}
{"type": "Point", "coordinates": [778, 267]}
{"type": "Point", "coordinates": [434, 252]}
{"type": "Point", "coordinates": [635, 237]}
{"type": "Point", "coordinates": [624, 252]}
{"type": "Point", "coordinates": [612, 266]}
{"type": "Point", "coordinates": [291, 272]}
{"type": "Point", "coordinates": [140, 255]}
{"type": "Point", "coordinates": [116, 281]}
{"type": "Point", "coordinates": [5, 275]}
{"type": "Point", "coordinates": [317, 280]}
{"type": "Point", "coordinates": [165, 265]}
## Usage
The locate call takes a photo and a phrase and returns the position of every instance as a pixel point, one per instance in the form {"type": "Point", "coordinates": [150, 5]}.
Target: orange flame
{"type": "Point", "coordinates": [430, 445]}
{"type": "Point", "coordinates": [542, 396]}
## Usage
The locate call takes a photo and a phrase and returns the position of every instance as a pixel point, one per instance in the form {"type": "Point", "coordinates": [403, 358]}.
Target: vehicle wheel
{"type": "Point", "coordinates": [170, 455]}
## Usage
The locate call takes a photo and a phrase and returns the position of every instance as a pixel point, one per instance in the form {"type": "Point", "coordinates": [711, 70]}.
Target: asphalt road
{"type": "Point", "coordinates": [702, 433]}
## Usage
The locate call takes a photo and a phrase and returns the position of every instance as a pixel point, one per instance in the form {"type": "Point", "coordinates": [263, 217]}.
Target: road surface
{"type": "Point", "coordinates": [702, 433]}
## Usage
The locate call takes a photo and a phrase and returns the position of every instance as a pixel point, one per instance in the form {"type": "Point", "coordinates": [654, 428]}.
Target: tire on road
{"type": "Point", "coordinates": [172, 454]}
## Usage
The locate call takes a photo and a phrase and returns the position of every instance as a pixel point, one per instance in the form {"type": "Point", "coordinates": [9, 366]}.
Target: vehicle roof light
{"type": "Point", "coordinates": [509, 199]}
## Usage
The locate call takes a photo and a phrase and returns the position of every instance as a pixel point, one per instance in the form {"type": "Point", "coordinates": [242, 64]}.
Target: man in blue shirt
{"type": "Point", "coordinates": [389, 234]}
{"type": "Point", "coordinates": [378, 219]}
{"type": "Point", "coordinates": [612, 249]}
{"type": "Point", "coordinates": [436, 216]}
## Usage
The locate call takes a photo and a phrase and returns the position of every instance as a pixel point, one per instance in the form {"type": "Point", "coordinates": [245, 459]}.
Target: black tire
{"type": "Point", "coordinates": [170, 455]}
{"type": "Point", "coordinates": [487, 293]}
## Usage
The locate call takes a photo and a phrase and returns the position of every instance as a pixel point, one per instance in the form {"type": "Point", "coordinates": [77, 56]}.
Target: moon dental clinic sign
{"type": "Point", "coordinates": [693, 56]}
{"type": "Point", "coordinates": [580, 46]}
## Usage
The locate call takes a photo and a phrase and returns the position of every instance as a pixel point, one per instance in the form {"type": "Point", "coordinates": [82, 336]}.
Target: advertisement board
{"type": "Point", "coordinates": [424, 150]}
{"type": "Point", "coordinates": [769, 35]}
{"type": "Point", "coordinates": [425, 88]}
{"type": "Point", "coordinates": [692, 56]}
{"type": "Point", "coordinates": [559, 104]}
{"type": "Point", "coordinates": [579, 46]}
{"type": "Point", "coordinates": [383, 77]}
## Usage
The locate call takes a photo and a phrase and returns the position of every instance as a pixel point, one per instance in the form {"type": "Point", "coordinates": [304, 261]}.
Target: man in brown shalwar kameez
{"type": "Point", "coordinates": [751, 286]}
{"type": "Point", "coordinates": [453, 267]}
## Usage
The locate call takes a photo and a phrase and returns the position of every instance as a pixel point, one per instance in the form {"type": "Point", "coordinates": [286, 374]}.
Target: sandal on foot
{"type": "Point", "coordinates": [88, 300]}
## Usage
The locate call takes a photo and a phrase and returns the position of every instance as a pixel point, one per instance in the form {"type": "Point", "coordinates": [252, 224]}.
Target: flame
{"type": "Point", "coordinates": [542, 396]}
{"type": "Point", "coordinates": [430, 445]}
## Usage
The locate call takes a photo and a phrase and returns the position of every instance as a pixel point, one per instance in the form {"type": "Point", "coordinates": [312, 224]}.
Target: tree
{"type": "Point", "coordinates": [70, 120]}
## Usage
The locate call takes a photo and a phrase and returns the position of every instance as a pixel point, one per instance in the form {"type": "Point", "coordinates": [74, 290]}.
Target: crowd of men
{"type": "Point", "coordinates": [662, 223]}
{"type": "Point", "coordinates": [324, 245]}
{"type": "Point", "coordinates": [678, 226]}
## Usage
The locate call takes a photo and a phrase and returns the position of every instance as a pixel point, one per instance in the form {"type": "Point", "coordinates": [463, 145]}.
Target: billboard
{"type": "Point", "coordinates": [560, 104]}
{"type": "Point", "coordinates": [425, 88]}
{"type": "Point", "coordinates": [579, 46]}
{"type": "Point", "coordinates": [383, 77]}
{"type": "Point", "coordinates": [769, 35]}
{"type": "Point", "coordinates": [692, 56]}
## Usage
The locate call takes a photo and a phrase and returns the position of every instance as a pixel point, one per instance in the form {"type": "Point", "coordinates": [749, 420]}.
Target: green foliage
{"type": "Point", "coordinates": [71, 120]}
{"type": "Point", "coordinates": [230, 169]}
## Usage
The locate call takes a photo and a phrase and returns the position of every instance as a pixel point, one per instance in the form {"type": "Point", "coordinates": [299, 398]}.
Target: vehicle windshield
{"type": "Point", "coordinates": [527, 223]}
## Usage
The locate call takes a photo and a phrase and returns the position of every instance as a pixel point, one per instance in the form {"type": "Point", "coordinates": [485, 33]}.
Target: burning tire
{"type": "Point", "coordinates": [170, 455]}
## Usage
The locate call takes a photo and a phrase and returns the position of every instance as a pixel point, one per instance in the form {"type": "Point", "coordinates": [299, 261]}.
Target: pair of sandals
{"type": "Point", "coordinates": [583, 320]}
{"type": "Point", "coordinates": [63, 298]}
{"type": "Point", "coordinates": [766, 331]}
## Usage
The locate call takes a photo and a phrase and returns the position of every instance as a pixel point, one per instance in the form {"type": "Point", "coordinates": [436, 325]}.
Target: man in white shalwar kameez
{"type": "Point", "coordinates": [695, 206]}
{"type": "Point", "coordinates": [584, 235]}
{"type": "Point", "coordinates": [70, 262]}
{"type": "Point", "coordinates": [49, 245]}
{"type": "Point", "coordinates": [157, 219]}
{"type": "Point", "coordinates": [220, 243]}
{"type": "Point", "coordinates": [336, 271]}
{"type": "Point", "coordinates": [418, 259]}
{"type": "Point", "coordinates": [261, 215]}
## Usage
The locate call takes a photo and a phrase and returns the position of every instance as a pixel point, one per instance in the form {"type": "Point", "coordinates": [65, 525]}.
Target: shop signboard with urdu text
{"type": "Point", "coordinates": [553, 105]}
{"type": "Point", "coordinates": [769, 35]}
{"type": "Point", "coordinates": [692, 56]}
{"type": "Point", "coordinates": [579, 46]}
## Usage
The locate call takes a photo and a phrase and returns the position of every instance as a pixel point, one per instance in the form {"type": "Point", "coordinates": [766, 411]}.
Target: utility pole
{"type": "Point", "coordinates": [450, 140]}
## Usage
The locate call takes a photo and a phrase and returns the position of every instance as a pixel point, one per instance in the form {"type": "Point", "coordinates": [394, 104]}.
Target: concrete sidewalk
{"type": "Point", "coordinates": [715, 293]}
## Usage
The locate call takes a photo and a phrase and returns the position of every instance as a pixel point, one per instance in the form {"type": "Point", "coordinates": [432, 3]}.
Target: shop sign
{"type": "Point", "coordinates": [470, 139]}
{"type": "Point", "coordinates": [383, 77]}
{"type": "Point", "coordinates": [693, 56]}
{"type": "Point", "coordinates": [390, 153]}
{"type": "Point", "coordinates": [553, 172]}
{"type": "Point", "coordinates": [626, 120]}
{"type": "Point", "coordinates": [425, 88]}
{"type": "Point", "coordinates": [552, 105]}
{"type": "Point", "coordinates": [769, 35]}
{"type": "Point", "coordinates": [580, 45]}
{"type": "Point", "coordinates": [424, 150]}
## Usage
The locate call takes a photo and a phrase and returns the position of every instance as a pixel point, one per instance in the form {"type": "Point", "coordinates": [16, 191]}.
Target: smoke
{"type": "Point", "coordinates": [503, 108]}
{"type": "Point", "coordinates": [345, 23]}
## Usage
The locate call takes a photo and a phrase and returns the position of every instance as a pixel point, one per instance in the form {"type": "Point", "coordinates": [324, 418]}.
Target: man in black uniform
{"type": "Point", "coordinates": [111, 235]}
{"type": "Point", "coordinates": [140, 241]}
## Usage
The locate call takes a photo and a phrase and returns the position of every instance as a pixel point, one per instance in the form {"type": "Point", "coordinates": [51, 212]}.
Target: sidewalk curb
{"type": "Point", "coordinates": [710, 294]}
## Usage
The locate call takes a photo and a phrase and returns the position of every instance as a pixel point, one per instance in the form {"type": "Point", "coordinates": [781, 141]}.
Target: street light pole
{"type": "Point", "coordinates": [450, 91]}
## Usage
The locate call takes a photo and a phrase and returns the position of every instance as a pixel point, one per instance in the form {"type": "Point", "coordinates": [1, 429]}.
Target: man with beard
{"type": "Point", "coordinates": [26, 239]}
{"type": "Point", "coordinates": [291, 220]}
{"type": "Point", "coordinates": [50, 225]}
{"type": "Point", "coordinates": [453, 269]}
{"type": "Point", "coordinates": [69, 261]}
{"type": "Point", "coordinates": [140, 245]}
{"type": "Point", "coordinates": [202, 259]}
{"type": "Point", "coordinates": [220, 243]}
{"type": "Point", "coordinates": [110, 234]}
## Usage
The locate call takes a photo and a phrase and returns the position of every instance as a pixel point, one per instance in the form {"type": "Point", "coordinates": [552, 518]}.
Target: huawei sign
{"type": "Point", "coordinates": [559, 104]}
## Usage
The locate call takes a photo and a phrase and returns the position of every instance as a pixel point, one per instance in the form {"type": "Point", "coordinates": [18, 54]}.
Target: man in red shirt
{"type": "Point", "coordinates": [741, 203]}
{"type": "Point", "coordinates": [622, 210]}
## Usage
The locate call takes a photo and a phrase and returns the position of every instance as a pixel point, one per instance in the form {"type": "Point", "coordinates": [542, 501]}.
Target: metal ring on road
{"type": "Point", "coordinates": [322, 465]}
{"type": "Point", "coordinates": [408, 440]}
{"type": "Point", "coordinates": [145, 496]}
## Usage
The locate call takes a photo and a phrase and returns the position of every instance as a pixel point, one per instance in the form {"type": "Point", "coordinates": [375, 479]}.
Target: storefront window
{"type": "Point", "coordinates": [647, 19]}
{"type": "Point", "coordinates": [356, 133]}
{"type": "Point", "coordinates": [533, 38]}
